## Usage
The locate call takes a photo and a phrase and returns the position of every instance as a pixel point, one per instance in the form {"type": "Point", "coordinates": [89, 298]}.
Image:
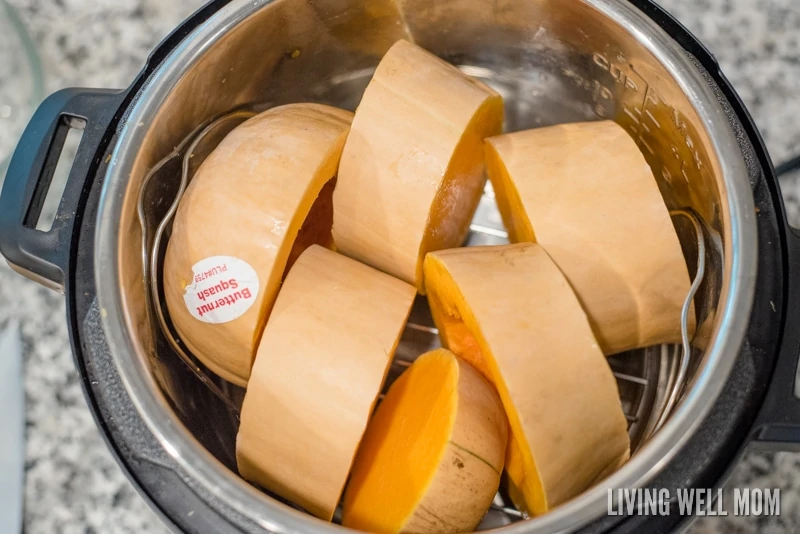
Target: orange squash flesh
{"type": "Point", "coordinates": [412, 171]}
{"type": "Point", "coordinates": [321, 363]}
{"type": "Point", "coordinates": [431, 458]}
{"type": "Point", "coordinates": [259, 199]}
{"type": "Point", "coordinates": [586, 194]}
{"type": "Point", "coordinates": [317, 228]}
{"type": "Point", "coordinates": [523, 327]}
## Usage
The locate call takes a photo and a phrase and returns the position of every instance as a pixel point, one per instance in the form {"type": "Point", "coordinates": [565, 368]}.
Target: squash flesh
{"type": "Point", "coordinates": [462, 186]}
{"type": "Point", "coordinates": [317, 227]}
{"type": "Point", "coordinates": [431, 458]}
{"type": "Point", "coordinates": [392, 471]}
{"type": "Point", "coordinates": [512, 210]}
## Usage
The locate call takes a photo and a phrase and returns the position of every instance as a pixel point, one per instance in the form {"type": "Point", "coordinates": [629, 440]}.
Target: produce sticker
{"type": "Point", "coordinates": [223, 288]}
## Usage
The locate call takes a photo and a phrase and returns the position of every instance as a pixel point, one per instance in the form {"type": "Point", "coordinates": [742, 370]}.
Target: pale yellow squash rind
{"type": "Point", "coordinates": [534, 342]}
{"type": "Point", "coordinates": [412, 170]}
{"type": "Point", "coordinates": [248, 200]}
{"type": "Point", "coordinates": [320, 366]}
{"type": "Point", "coordinates": [586, 194]}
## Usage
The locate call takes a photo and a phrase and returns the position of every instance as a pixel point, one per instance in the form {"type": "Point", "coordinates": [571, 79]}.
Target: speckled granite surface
{"type": "Point", "coordinates": [73, 484]}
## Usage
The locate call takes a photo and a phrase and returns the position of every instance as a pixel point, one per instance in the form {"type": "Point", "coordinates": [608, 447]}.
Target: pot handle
{"type": "Point", "coordinates": [44, 256]}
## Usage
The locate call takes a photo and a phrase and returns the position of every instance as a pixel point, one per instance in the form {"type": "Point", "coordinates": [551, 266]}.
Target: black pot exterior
{"type": "Point", "coordinates": [180, 502]}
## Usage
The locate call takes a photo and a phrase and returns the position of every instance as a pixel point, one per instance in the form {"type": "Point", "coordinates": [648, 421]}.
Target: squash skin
{"type": "Point", "coordinates": [320, 366]}
{"type": "Point", "coordinates": [412, 171]}
{"type": "Point", "coordinates": [248, 201]}
{"type": "Point", "coordinates": [533, 341]}
{"type": "Point", "coordinates": [586, 194]}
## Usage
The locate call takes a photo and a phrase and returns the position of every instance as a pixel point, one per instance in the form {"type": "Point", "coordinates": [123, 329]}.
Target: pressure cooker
{"type": "Point", "coordinates": [693, 409]}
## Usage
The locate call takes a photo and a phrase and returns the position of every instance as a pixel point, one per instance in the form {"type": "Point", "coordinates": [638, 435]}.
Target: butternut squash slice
{"type": "Point", "coordinates": [510, 312]}
{"type": "Point", "coordinates": [586, 194]}
{"type": "Point", "coordinates": [431, 458]}
{"type": "Point", "coordinates": [319, 369]}
{"type": "Point", "coordinates": [260, 198]}
{"type": "Point", "coordinates": [412, 171]}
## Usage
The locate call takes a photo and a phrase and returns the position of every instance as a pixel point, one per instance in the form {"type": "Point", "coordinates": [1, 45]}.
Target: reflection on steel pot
{"type": "Point", "coordinates": [553, 62]}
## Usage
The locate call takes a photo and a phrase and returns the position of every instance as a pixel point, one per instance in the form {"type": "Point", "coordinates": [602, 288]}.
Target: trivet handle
{"type": "Point", "coordinates": [44, 256]}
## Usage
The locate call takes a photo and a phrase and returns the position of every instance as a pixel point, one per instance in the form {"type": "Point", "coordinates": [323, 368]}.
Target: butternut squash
{"type": "Point", "coordinates": [586, 194]}
{"type": "Point", "coordinates": [259, 199]}
{"type": "Point", "coordinates": [412, 170]}
{"type": "Point", "coordinates": [510, 312]}
{"type": "Point", "coordinates": [431, 458]}
{"type": "Point", "coordinates": [320, 366]}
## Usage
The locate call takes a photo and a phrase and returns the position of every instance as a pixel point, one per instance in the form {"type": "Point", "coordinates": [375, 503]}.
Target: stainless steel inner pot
{"type": "Point", "coordinates": [554, 62]}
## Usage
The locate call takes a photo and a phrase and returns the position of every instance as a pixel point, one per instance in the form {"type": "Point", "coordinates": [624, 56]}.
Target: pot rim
{"type": "Point", "coordinates": [736, 298]}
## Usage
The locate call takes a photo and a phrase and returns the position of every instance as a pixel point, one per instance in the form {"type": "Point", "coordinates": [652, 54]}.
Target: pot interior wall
{"type": "Point", "coordinates": [553, 61]}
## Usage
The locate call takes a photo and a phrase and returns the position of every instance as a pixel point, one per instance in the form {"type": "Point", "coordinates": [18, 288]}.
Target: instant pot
{"type": "Point", "coordinates": [172, 425]}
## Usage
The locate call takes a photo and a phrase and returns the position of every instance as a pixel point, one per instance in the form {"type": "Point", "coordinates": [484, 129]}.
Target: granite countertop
{"type": "Point", "coordinates": [74, 486]}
